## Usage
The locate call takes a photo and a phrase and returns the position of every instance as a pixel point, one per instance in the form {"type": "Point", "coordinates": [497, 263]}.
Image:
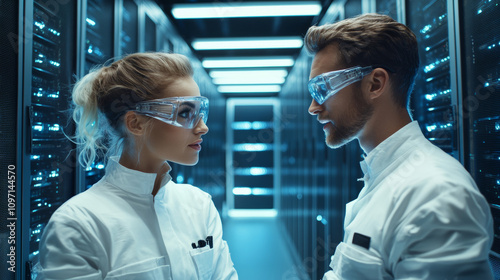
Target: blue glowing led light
{"type": "Point", "coordinates": [251, 125]}
{"type": "Point", "coordinates": [253, 171]}
{"type": "Point", "coordinates": [38, 127]}
{"type": "Point", "coordinates": [252, 191]}
{"type": "Point", "coordinates": [54, 63]}
{"type": "Point", "coordinates": [426, 29]}
{"type": "Point", "coordinates": [434, 127]}
{"type": "Point", "coordinates": [100, 166]}
{"type": "Point", "coordinates": [320, 218]}
{"type": "Point", "coordinates": [497, 126]}
{"type": "Point", "coordinates": [54, 174]}
{"type": "Point", "coordinates": [432, 96]}
{"type": "Point", "coordinates": [90, 22]}
{"type": "Point", "coordinates": [180, 179]}
{"type": "Point", "coordinates": [252, 147]}
{"type": "Point", "coordinates": [54, 127]}
{"type": "Point", "coordinates": [40, 25]}
{"type": "Point", "coordinates": [242, 191]}
{"type": "Point", "coordinates": [258, 171]}
{"type": "Point", "coordinates": [55, 32]}
{"type": "Point", "coordinates": [433, 65]}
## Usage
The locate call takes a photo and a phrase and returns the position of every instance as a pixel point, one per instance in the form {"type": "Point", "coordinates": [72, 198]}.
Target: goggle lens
{"type": "Point", "coordinates": [178, 111]}
{"type": "Point", "coordinates": [325, 85]}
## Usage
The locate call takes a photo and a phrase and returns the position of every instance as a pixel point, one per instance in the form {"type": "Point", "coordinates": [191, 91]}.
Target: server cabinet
{"type": "Point", "coordinates": [149, 34]}
{"type": "Point", "coordinates": [252, 157]}
{"type": "Point", "coordinates": [480, 24]}
{"type": "Point", "coordinates": [129, 30]}
{"type": "Point", "coordinates": [388, 7]}
{"type": "Point", "coordinates": [99, 48]}
{"type": "Point", "coordinates": [48, 157]}
{"type": "Point", "coordinates": [10, 119]}
{"type": "Point", "coordinates": [434, 99]}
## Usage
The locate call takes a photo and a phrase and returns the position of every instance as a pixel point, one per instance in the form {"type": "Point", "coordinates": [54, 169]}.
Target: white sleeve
{"type": "Point", "coordinates": [223, 265]}
{"type": "Point", "coordinates": [66, 252]}
{"type": "Point", "coordinates": [329, 276]}
{"type": "Point", "coordinates": [448, 237]}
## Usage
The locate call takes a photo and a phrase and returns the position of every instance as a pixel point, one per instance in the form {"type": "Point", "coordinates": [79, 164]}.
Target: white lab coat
{"type": "Point", "coordinates": [422, 213]}
{"type": "Point", "coordinates": [118, 230]}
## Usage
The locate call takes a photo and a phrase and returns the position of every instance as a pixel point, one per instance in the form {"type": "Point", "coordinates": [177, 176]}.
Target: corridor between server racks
{"type": "Point", "coordinates": [259, 249]}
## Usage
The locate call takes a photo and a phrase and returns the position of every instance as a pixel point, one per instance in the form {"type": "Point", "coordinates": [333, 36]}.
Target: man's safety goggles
{"type": "Point", "coordinates": [179, 111]}
{"type": "Point", "coordinates": [327, 84]}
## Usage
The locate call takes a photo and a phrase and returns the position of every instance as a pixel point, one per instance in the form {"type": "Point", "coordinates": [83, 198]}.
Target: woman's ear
{"type": "Point", "coordinates": [135, 123]}
{"type": "Point", "coordinates": [378, 82]}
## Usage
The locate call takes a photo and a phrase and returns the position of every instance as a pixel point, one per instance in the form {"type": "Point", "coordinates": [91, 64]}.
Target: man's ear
{"type": "Point", "coordinates": [135, 123]}
{"type": "Point", "coordinates": [378, 82]}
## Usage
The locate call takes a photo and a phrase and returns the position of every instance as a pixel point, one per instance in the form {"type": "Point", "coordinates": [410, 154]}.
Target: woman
{"type": "Point", "coordinates": [135, 223]}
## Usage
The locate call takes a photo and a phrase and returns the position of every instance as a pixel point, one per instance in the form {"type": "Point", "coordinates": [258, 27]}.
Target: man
{"type": "Point", "coordinates": [420, 214]}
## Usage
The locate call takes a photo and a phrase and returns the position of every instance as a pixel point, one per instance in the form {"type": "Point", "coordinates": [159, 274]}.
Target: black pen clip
{"type": "Point", "coordinates": [202, 243]}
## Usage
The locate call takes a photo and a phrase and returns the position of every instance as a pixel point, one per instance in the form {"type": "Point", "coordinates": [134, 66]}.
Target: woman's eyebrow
{"type": "Point", "coordinates": [190, 104]}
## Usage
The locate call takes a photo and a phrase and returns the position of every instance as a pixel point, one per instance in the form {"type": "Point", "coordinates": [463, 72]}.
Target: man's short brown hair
{"type": "Point", "coordinates": [372, 40]}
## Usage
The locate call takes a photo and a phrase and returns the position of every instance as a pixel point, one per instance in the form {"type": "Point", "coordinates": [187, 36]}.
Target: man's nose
{"type": "Point", "coordinates": [314, 108]}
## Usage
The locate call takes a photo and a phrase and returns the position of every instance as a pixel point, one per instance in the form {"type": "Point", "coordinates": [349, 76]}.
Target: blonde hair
{"type": "Point", "coordinates": [102, 97]}
{"type": "Point", "coordinates": [372, 40]}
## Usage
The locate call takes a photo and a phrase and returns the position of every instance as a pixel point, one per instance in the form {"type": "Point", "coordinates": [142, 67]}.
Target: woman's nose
{"type": "Point", "coordinates": [201, 128]}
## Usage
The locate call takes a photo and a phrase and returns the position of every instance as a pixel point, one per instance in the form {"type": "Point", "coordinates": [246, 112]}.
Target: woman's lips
{"type": "Point", "coordinates": [195, 146]}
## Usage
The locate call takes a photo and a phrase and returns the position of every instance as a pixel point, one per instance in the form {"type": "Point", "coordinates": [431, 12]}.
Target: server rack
{"type": "Point", "coordinates": [253, 159]}
{"type": "Point", "coordinates": [48, 157]}
{"type": "Point", "coordinates": [129, 28]}
{"type": "Point", "coordinates": [481, 102]}
{"type": "Point", "coordinates": [434, 99]}
{"type": "Point", "coordinates": [10, 119]}
{"type": "Point", "coordinates": [99, 48]}
{"type": "Point", "coordinates": [51, 41]}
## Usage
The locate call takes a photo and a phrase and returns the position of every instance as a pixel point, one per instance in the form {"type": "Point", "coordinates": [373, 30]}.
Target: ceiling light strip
{"type": "Point", "coordinates": [247, 43]}
{"type": "Point", "coordinates": [237, 74]}
{"type": "Point", "coordinates": [249, 80]}
{"type": "Point", "coordinates": [249, 9]}
{"type": "Point", "coordinates": [248, 62]}
{"type": "Point", "coordinates": [249, 89]}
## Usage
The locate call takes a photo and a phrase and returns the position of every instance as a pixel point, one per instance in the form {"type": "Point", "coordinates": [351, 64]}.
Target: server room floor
{"type": "Point", "coordinates": [258, 249]}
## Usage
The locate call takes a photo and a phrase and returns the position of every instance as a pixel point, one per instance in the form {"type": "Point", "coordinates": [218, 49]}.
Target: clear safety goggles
{"type": "Point", "coordinates": [327, 84]}
{"type": "Point", "coordinates": [184, 111]}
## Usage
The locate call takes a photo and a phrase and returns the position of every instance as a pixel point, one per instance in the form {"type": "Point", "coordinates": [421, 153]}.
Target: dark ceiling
{"type": "Point", "coordinates": [191, 29]}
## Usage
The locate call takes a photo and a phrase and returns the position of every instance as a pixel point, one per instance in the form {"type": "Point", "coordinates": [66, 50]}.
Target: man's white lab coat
{"type": "Point", "coordinates": [118, 230]}
{"type": "Point", "coordinates": [419, 216]}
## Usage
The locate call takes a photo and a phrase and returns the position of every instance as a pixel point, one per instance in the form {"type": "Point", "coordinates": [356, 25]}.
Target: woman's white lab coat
{"type": "Point", "coordinates": [419, 216]}
{"type": "Point", "coordinates": [118, 230]}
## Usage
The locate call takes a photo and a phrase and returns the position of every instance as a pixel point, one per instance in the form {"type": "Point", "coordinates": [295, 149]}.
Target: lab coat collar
{"type": "Point", "coordinates": [132, 181]}
{"type": "Point", "coordinates": [389, 150]}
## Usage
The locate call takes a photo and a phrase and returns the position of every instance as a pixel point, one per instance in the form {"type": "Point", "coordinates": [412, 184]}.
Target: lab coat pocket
{"type": "Point", "coordinates": [203, 260]}
{"type": "Point", "coordinates": [354, 262]}
{"type": "Point", "coordinates": [154, 268]}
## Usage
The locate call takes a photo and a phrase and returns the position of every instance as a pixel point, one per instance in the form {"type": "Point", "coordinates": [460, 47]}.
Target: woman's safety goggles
{"type": "Point", "coordinates": [179, 111]}
{"type": "Point", "coordinates": [327, 84]}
